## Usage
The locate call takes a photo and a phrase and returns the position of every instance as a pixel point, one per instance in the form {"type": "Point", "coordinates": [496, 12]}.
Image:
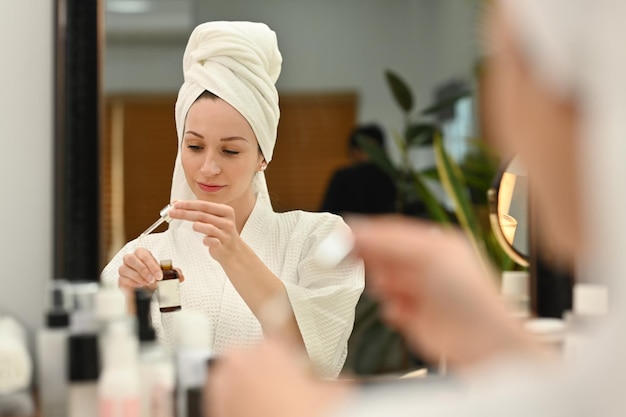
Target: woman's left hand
{"type": "Point", "coordinates": [215, 221]}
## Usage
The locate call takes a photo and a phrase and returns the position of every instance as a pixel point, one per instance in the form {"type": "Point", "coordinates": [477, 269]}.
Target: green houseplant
{"type": "Point", "coordinates": [465, 182]}
{"type": "Point", "coordinates": [374, 347]}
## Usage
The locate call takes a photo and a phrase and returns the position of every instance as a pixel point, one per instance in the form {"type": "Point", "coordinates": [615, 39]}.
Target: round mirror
{"type": "Point", "coordinates": [508, 210]}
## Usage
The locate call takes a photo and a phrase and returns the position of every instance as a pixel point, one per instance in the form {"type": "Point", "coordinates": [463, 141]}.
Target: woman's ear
{"type": "Point", "coordinates": [263, 166]}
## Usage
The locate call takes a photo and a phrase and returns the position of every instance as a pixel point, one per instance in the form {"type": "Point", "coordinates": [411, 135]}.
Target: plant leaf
{"type": "Point", "coordinates": [400, 141]}
{"type": "Point", "coordinates": [434, 207]}
{"type": "Point", "coordinates": [445, 103]}
{"type": "Point", "coordinates": [377, 155]}
{"type": "Point", "coordinates": [430, 174]}
{"type": "Point", "coordinates": [420, 134]}
{"type": "Point", "coordinates": [400, 91]}
{"type": "Point", "coordinates": [454, 184]}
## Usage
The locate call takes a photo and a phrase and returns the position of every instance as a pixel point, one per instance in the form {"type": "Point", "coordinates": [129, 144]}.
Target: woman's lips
{"type": "Point", "coordinates": [210, 188]}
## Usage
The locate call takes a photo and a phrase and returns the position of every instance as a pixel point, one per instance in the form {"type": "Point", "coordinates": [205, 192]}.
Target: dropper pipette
{"type": "Point", "coordinates": [164, 218]}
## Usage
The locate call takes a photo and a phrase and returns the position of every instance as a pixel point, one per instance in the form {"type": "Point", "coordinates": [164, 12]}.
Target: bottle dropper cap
{"type": "Point", "coordinates": [58, 315]}
{"type": "Point", "coordinates": [57, 319]}
{"type": "Point", "coordinates": [164, 217]}
{"type": "Point", "coordinates": [83, 296]}
{"type": "Point", "coordinates": [166, 264]}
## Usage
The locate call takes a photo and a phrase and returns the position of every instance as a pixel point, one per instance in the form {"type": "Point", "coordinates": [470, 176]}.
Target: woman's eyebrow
{"type": "Point", "coordinates": [232, 138]}
{"type": "Point", "coordinates": [191, 132]}
{"type": "Point", "coordinates": [225, 139]}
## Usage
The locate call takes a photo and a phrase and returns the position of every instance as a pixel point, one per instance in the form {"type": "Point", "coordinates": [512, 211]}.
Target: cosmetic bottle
{"type": "Point", "coordinates": [195, 401]}
{"type": "Point", "coordinates": [83, 352]}
{"type": "Point", "coordinates": [193, 352]}
{"type": "Point", "coordinates": [16, 368]}
{"type": "Point", "coordinates": [548, 331]}
{"type": "Point", "coordinates": [52, 353]}
{"type": "Point", "coordinates": [514, 290]}
{"type": "Point", "coordinates": [119, 383]}
{"type": "Point", "coordinates": [156, 366]}
{"type": "Point", "coordinates": [110, 304]}
{"type": "Point", "coordinates": [589, 307]}
{"type": "Point", "coordinates": [168, 293]}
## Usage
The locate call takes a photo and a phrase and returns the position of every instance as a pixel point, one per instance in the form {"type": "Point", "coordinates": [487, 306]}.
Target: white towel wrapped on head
{"type": "Point", "coordinates": [239, 62]}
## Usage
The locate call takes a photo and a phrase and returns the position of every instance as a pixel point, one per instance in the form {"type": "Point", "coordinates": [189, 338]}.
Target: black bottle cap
{"type": "Point", "coordinates": [57, 319]}
{"type": "Point", "coordinates": [83, 357]}
{"type": "Point", "coordinates": [143, 298]}
{"type": "Point", "coordinates": [194, 402]}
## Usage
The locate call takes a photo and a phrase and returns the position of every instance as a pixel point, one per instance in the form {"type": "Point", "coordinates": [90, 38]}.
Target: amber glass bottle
{"type": "Point", "coordinates": [169, 296]}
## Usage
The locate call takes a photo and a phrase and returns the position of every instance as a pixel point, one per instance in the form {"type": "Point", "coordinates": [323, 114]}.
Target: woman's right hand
{"type": "Point", "coordinates": [436, 291]}
{"type": "Point", "coordinates": [140, 269]}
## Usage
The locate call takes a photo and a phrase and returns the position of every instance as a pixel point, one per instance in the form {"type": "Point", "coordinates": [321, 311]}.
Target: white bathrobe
{"type": "Point", "coordinates": [323, 300]}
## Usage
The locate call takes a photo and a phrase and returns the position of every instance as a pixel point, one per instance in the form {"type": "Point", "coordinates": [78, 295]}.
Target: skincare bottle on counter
{"type": "Point", "coordinates": [589, 306]}
{"type": "Point", "coordinates": [83, 352]}
{"type": "Point", "coordinates": [169, 296]}
{"type": "Point", "coordinates": [119, 383]}
{"type": "Point", "coordinates": [52, 354]}
{"type": "Point", "coordinates": [110, 304]}
{"type": "Point", "coordinates": [514, 290]}
{"type": "Point", "coordinates": [193, 351]}
{"type": "Point", "coordinates": [156, 366]}
{"type": "Point", "coordinates": [16, 367]}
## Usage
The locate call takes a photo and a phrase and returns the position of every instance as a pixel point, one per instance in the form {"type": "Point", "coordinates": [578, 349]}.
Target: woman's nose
{"type": "Point", "coordinates": [210, 166]}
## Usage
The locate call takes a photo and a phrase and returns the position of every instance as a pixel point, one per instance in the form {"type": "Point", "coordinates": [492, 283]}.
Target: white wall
{"type": "Point", "coordinates": [26, 168]}
{"type": "Point", "coordinates": [326, 45]}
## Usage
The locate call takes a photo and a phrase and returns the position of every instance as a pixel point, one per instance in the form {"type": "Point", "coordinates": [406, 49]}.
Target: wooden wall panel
{"type": "Point", "coordinates": [312, 143]}
{"type": "Point", "coordinates": [149, 152]}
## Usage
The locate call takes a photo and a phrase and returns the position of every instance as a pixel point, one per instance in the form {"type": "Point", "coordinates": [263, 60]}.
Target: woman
{"type": "Point", "coordinates": [556, 97]}
{"type": "Point", "coordinates": [251, 270]}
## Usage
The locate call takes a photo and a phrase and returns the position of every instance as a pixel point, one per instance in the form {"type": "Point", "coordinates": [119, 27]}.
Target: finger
{"type": "Point", "coordinates": [398, 240]}
{"type": "Point", "coordinates": [153, 267]}
{"type": "Point", "coordinates": [181, 276]}
{"type": "Point", "coordinates": [207, 224]}
{"type": "Point", "coordinates": [211, 242]}
{"type": "Point", "coordinates": [136, 269]}
{"type": "Point", "coordinates": [217, 209]}
{"type": "Point", "coordinates": [128, 284]}
{"type": "Point", "coordinates": [382, 276]}
{"type": "Point", "coordinates": [391, 237]}
{"type": "Point", "coordinates": [211, 230]}
{"type": "Point", "coordinates": [200, 216]}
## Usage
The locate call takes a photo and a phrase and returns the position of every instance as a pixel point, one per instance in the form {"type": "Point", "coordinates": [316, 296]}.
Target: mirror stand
{"type": "Point", "coordinates": [551, 284]}
{"type": "Point", "coordinates": [516, 224]}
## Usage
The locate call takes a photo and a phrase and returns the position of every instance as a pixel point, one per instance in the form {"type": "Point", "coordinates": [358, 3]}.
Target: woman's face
{"type": "Point", "coordinates": [525, 118]}
{"type": "Point", "coordinates": [220, 154]}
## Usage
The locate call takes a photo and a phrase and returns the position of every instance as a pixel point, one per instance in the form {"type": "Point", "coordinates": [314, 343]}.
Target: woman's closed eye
{"type": "Point", "coordinates": [195, 148]}
{"type": "Point", "coordinates": [230, 152]}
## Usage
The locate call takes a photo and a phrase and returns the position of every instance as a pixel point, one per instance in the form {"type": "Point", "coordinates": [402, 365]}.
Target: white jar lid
{"type": "Point", "coordinates": [549, 330]}
{"type": "Point", "coordinates": [590, 299]}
